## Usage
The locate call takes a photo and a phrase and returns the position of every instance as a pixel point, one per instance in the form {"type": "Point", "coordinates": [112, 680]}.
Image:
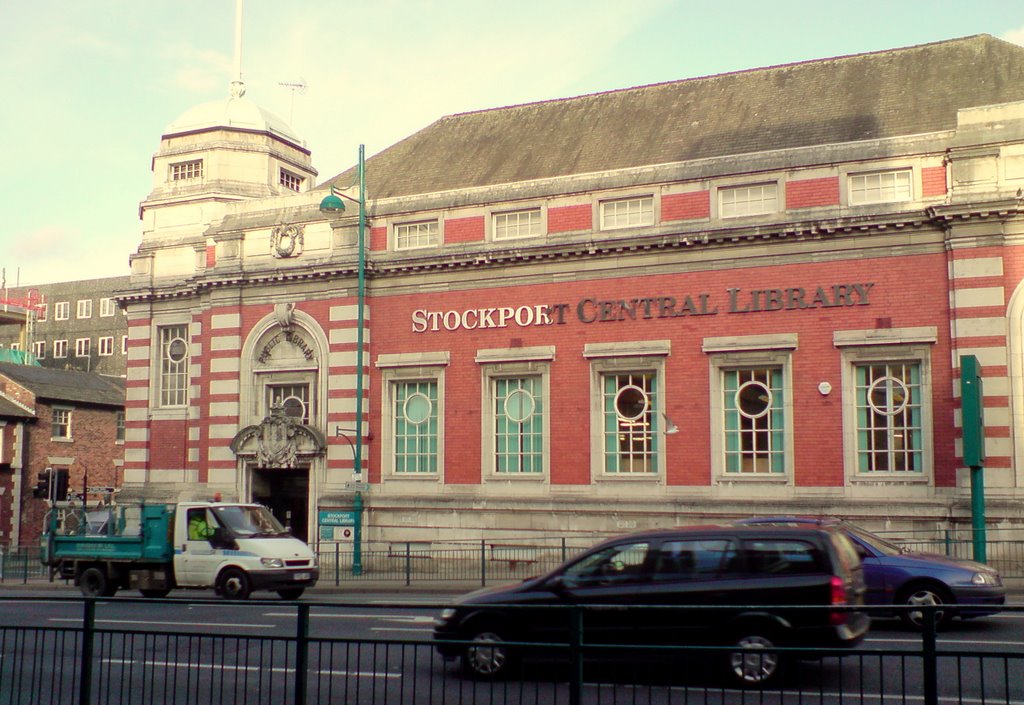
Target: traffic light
{"type": "Point", "coordinates": [42, 489]}
{"type": "Point", "coordinates": [60, 485]}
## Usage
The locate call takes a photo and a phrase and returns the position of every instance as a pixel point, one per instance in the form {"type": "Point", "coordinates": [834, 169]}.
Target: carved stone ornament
{"type": "Point", "coordinates": [284, 315]}
{"type": "Point", "coordinates": [286, 241]}
{"type": "Point", "coordinates": [279, 441]}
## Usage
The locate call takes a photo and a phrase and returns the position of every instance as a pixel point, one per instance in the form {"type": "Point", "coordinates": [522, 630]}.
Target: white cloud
{"type": "Point", "coordinates": [1015, 35]}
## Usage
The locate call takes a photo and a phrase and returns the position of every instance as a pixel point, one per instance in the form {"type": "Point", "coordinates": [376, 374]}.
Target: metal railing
{"type": "Point", "coordinates": [306, 658]}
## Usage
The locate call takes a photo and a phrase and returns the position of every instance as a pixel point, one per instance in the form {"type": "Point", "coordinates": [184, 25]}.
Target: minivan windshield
{"type": "Point", "coordinates": [249, 522]}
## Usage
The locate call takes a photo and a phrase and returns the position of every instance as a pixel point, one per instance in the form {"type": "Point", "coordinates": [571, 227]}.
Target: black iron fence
{"type": "Point", "coordinates": [88, 652]}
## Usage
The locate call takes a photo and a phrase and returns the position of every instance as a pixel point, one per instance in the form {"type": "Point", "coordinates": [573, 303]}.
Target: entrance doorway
{"type": "Point", "coordinates": [285, 492]}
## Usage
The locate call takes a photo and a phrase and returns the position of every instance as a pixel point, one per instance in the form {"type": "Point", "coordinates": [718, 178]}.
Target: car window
{"type": "Point", "coordinates": [873, 540]}
{"type": "Point", "coordinates": [612, 564]}
{"type": "Point", "coordinates": [693, 559]}
{"type": "Point", "coordinates": [782, 557]}
{"type": "Point", "coordinates": [847, 552]}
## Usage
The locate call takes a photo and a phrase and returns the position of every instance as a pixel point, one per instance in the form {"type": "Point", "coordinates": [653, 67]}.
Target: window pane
{"type": "Point", "coordinates": [517, 224]}
{"type": "Point", "coordinates": [754, 420]}
{"type": "Point", "coordinates": [889, 423]}
{"type": "Point", "coordinates": [410, 235]}
{"type": "Point", "coordinates": [630, 422]}
{"type": "Point", "coordinates": [173, 366]}
{"type": "Point", "coordinates": [518, 425]}
{"type": "Point", "coordinates": [748, 200]}
{"type": "Point", "coordinates": [881, 187]}
{"type": "Point", "coordinates": [416, 424]}
{"type": "Point", "coordinates": [627, 212]}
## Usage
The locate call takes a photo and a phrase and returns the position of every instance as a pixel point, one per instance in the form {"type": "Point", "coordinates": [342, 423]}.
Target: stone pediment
{"type": "Point", "coordinates": [279, 441]}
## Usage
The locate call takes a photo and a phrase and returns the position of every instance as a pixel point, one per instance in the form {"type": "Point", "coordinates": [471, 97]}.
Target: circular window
{"type": "Point", "coordinates": [294, 407]}
{"type": "Point", "coordinates": [631, 402]}
{"type": "Point", "coordinates": [520, 405]}
{"type": "Point", "coordinates": [753, 399]}
{"type": "Point", "coordinates": [176, 350]}
{"type": "Point", "coordinates": [888, 396]}
{"type": "Point", "coordinates": [417, 408]}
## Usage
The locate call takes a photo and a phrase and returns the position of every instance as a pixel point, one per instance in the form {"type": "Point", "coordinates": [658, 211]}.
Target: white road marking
{"type": "Point", "coordinates": [147, 663]}
{"type": "Point", "coordinates": [413, 619]}
{"type": "Point", "coordinates": [227, 625]}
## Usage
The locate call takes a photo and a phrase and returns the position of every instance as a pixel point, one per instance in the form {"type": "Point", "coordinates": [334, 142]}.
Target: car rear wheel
{"type": "Point", "coordinates": [488, 657]}
{"type": "Point", "coordinates": [924, 596]}
{"type": "Point", "coordinates": [756, 665]}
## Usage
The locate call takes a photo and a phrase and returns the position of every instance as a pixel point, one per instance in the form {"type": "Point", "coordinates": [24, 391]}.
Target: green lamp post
{"type": "Point", "coordinates": [333, 204]}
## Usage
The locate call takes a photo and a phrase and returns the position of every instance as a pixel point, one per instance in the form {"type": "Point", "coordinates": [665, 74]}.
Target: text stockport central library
{"type": "Point", "coordinates": [716, 297]}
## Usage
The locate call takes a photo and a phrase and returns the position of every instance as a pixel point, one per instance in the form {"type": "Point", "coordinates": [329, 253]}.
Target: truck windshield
{"type": "Point", "coordinates": [249, 521]}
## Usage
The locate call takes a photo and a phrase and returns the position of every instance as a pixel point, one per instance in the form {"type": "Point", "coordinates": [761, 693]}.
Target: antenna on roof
{"type": "Point", "coordinates": [295, 87]}
{"type": "Point", "coordinates": [237, 87]}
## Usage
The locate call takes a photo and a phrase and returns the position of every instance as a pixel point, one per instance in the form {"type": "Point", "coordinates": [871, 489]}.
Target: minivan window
{"type": "Point", "coordinates": [613, 564]}
{"type": "Point", "coordinates": [847, 552]}
{"type": "Point", "coordinates": [782, 557]}
{"type": "Point", "coordinates": [693, 559]}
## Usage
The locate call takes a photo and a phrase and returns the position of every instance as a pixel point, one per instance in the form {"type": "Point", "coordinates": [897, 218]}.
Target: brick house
{"type": "Point", "coordinates": [681, 302]}
{"type": "Point", "coordinates": [57, 421]}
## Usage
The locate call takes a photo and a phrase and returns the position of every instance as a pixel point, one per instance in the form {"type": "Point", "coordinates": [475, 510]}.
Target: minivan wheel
{"type": "Point", "coordinates": [487, 658]}
{"type": "Point", "coordinates": [234, 584]}
{"type": "Point", "coordinates": [756, 665]}
{"type": "Point", "coordinates": [924, 595]}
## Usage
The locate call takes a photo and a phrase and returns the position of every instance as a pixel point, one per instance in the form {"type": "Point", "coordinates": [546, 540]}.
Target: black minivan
{"type": "Point", "coordinates": [700, 585]}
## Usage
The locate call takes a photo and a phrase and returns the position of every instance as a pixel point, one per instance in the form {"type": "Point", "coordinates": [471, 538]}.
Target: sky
{"type": "Point", "coordinates": [87, 88]}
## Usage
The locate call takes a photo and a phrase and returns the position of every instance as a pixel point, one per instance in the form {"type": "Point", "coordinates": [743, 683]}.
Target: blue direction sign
{"type": "Point", "coordinates": [337, 517]}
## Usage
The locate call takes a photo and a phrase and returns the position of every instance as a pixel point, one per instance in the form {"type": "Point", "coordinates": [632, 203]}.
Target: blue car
{"type": "Point", "coordinates": [897, 576]}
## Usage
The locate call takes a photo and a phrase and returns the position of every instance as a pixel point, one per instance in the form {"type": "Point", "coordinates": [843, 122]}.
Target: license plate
{"type": "Point", "coordinates": [301, 576]}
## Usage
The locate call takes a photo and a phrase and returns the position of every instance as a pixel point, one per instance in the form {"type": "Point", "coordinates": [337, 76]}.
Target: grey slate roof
{"type": "Point", "coordinates": [67, 385]}
{"type": "Point", "coordinates": [885, 94]}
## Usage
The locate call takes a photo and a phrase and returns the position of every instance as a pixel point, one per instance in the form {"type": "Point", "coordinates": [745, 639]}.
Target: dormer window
{"type": "Point", "coordinates": [290, 181]}
{"type": "Point", "coordinates": [187, 171]}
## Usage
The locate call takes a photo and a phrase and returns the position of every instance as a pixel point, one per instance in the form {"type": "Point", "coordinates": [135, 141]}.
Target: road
{"type": "Point", "coordinates": [372, 648]}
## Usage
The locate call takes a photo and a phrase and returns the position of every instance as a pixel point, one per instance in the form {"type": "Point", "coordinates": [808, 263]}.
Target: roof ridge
{"type": "Point", "coordinates": [737, 72]}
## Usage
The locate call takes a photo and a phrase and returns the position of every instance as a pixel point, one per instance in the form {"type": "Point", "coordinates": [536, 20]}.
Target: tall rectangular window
{"type": "Point", "coordinates": [41, 312]}
{"type": "Point", "coordinates": [173, 365]}
{"type": "Point", "coordinates": [415, 426]}
{"type": "Point", "coordinates": [630, 412]}
{"type": "Point", "coordinates": [124, 344]}
{"type": "Point", "coordinates": [60, 348]}
{"type": "Point", "coordinates": [84, 308]}
{"type": "Point", "coordinates": [107, 307]}
{"type": "Point", "coordinates": [518, 425]}
{"type": "Point", "coordinates": [754, 420]}
{"type": "Point", "coordinates": [412, 235]}
{"type": "Point", "coordinates": [890, 432]}
{"type": "Point", "coordinates": [756, 199]}
{"type": "Point", "coordinates": [120, 427]}
{"type": "Point", "coordinates": [516, 224]}
{"type": "Point", "coordinates": [62, 310]}
{"type": "Point", "coordinates": [186, 171]}
{"type": "Point", "coordinates": [83, 346]}
{"type": "Point", "coordinates": [627, 212]}
{"type": "Point", "coordinates": [39, 349]}
{"type": "Point", "coordinates": [61, 424]}
{"type": "Point", "coordinates": [881, 187]}
{"type": "Point", "coordinates": [106, 346]}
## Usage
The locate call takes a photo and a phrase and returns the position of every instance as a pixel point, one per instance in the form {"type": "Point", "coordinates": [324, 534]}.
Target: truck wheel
{"type": "Point", "coordinates": [93, 583]}
{"type": "Point", "coordinates": [291, 593]}
{"type": "Point", "coordinates": [234, 585]}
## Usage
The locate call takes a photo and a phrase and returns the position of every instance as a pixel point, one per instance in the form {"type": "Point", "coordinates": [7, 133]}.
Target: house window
{"type": "Point", "coordinates": [60, 348]}
{"type": "Point", "coordinates": [627, 212]}
{"type": "Point", "coordinates": [629, 408]}
{"type": "Point", "coordinates": [82, 347]}
{"type": "Point", "coordinates": [412, 235]}
{"type": "Point", "coordinates": [120, 427]}
{"type": "Point", "coordinates": [185, 171]}
{"type": "Point", "coordinates": [755, 199]}
{"type": "Point", "coordinates": [106, 346]}
{"type": "Point", "coordinates": [290, 181]}
{"type": "Point", "coordinates": [15, 346]}
{"type": "Point", "coordinates": [518, 425]}
{"type": "Point", "coordinates": [173, 363]}
{"type": "Point", "coordinates": [39, 349]}
{"type": "Point", "coordinates": [107, 307]}
{"type": "Point", "coordinates": [61, 424]}
{"type": "Point", "coordinates": [890, 433]}
{"type": "Point", "coordinates": [84, 308]}
{"type": "Point", "coordinates": [293, 398]}
{"type": "Point", "coordinates": [517, 224]}
{"type": "Point", "coordinates": [880, 187]}
{"type": "Point", "coordinates": [124, 344]}
{"type": "Point", "coordinates": [41, 312]}
{"type": "Point", "coordinates": [754, 420]}
{"type": "Point", "coordinates": [62, 311]}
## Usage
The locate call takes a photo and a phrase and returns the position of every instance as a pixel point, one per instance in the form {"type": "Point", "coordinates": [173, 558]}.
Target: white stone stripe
{"type": "Point", "coordinates": [994, 448]}
{"type": "Point", "coordinates": [220, 321]}
{"type": "Point", "coordinates": [341, 336]}
{"type": "Point", "coordinates": [987, 357]}
{"type": "Point", "coordinates": [225, 342]}
{"type": "Point", "coordinates": [222, 431]}
{"type": "Point", "coordinates": [349, 313]}
{"type": "Point", "coordinates": [224, 364]}
{"type": "Point", "coordinates": [993, 387]}
{"type": "Point", "coordinates": [974, 298]}
{"type": "Point", "coordinates": [961, 328]}
{"type": "Point", "coordinates": [995, 417]}
{"type": "Point", "coordinates": [976, 267]}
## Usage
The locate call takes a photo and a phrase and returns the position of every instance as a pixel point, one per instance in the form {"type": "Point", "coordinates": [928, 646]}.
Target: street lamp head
{"type": "Point", "coordinates": [332, 204]}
